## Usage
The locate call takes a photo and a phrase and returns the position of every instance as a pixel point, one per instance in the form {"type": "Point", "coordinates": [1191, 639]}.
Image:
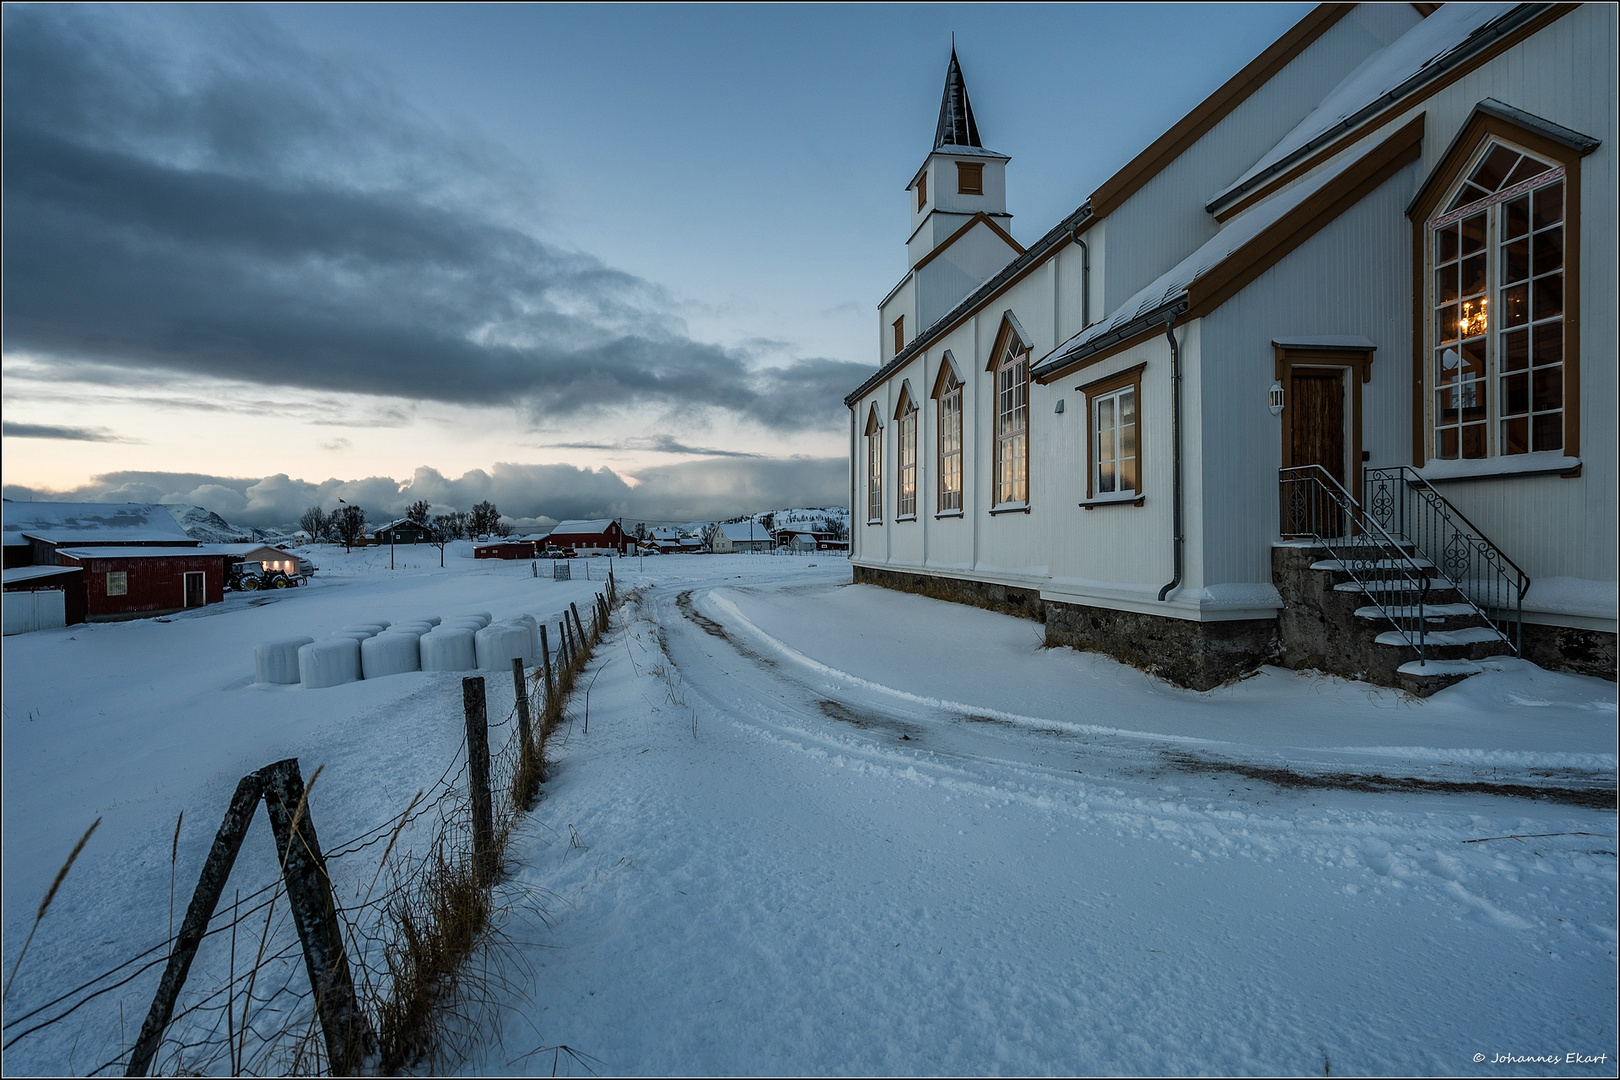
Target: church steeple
{"type": "Point", "coordinates": [959, 179]}
{"type": "Point", "coordinates": [956, 126]}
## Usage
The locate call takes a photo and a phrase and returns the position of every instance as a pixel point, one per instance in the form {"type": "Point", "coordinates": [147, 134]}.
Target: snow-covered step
{"type": "Point", "coordinates": [1390, 585]}
{"type": "Point", "coordinates": [1440, 667]}
{"type": "Point", "coordinates": [1468, 635]}
{"type": "Point", "coordinates": [1410, 611]}
{"type": "Point", "coordinates": [1380, 564]}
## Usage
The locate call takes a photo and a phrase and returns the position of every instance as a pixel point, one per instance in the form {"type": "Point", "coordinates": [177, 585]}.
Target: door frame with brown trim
{"type": "Point", "coordinates": [1355, 362]}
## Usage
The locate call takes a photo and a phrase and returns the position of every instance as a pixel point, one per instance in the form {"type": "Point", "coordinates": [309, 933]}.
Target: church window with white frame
{"type": "Point", "coordinates": [874, 469]}
{"type": "Point", "coordinates": [905, 505]}
{"type": "Point", "coordinates": [1012, 424]}
{"type": "Point", "coordinates": [1497, 253]}
{"type": "Point", "coordinates": [949, 397]}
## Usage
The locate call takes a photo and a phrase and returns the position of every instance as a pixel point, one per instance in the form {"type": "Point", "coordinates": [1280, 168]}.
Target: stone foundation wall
{"type": "Point", "coordinates": [1199, 655]}
{"type": "Point", "coordinates": [1318, 628]}
{"type": "Point", "coordinates": [1566, 648]}
{"type": "Point", "coordinates": [1192, 654]}
{"type": "Point", "coordinates": [1007, 599]}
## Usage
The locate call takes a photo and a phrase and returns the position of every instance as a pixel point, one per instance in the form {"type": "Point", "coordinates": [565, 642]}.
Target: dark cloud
{"type": "Point", "coordinates": [695, 490]}
{"type": "Point", "coordinates": [192, 193]}
{"type": "Point", "coordinates": [51, 431]}
{"type": "Point", "coordinates": [658, 444]}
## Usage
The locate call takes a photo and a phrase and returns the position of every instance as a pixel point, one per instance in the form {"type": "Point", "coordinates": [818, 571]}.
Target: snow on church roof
{"type": "Point", "coordinates": [1380, 76]}
{"type": "Point", "coordinates": [1174, 282]}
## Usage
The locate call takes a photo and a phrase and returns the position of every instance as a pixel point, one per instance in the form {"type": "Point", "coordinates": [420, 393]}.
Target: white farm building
{"type": "Point", "coordinates": [1325, 376]}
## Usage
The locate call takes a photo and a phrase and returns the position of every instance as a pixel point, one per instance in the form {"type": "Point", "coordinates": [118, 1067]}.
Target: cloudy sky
{"type": "Point", "coordinates": [577, 260]}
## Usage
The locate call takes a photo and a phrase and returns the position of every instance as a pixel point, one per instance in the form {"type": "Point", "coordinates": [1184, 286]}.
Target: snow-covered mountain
{"type": "Point", "coordinates": [209, 527]}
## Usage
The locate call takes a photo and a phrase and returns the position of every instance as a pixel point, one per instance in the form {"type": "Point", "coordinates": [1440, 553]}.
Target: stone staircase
{"type": "Point", "coordinates": [1334, 623]}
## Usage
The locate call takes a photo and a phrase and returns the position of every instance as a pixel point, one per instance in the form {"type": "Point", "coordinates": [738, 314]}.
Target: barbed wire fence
{"type": "Point", "coordinates": [287, 976]}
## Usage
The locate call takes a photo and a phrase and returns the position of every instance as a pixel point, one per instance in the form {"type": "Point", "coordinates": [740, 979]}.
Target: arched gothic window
{"type": "Point", "coordinates": [874, 468]}
{"type": "Point", "coordinates": [905, 415]}
{"type": "Point", "coordinates": [948, 400]}
{"type": "Point", "coordinates": [1012, 420]}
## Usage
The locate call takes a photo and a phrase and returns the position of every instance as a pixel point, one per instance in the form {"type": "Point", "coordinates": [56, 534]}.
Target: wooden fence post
{"type": "Point", "coordinates": [210, 886]}
{"type": "Point", "coordinates": [578, 625]}
{"type": "Point", "coordinates": [522, 706]}
{"type": "Point", "coordinates": [473, 704]}
{"type": "Point", "coordinates": [309, 893]}
{"type": "Point", "coordinates": [545, 656]}
{"type": "Point", "coordinates": [567, 645]}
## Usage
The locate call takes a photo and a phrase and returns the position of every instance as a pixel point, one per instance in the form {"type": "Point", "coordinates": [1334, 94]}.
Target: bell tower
{"type": "Point", "coordinates": [959, 178]}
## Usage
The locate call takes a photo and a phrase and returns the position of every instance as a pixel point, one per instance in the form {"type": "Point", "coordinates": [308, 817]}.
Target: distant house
{"type": "Point", "coordinates": [403, 531]}
{"type": "Point", "coordinates": [805, 540]}
{"type": "Point", "coordinates": [603, 534]}
{"type": "Point", "coordinates": [268, 558]}
{"type": "Point", "coordinates": [664, 538]}
{"type": "Point", "coordinates": [130, 582]}
{"type": "Point", "coordinates": [34, 531]}
{"type": "Point", "coordinates": [505, 549]}
{"type": "Point", "coordinates": [42, 597]}
{"type": "Point", "coordinates": [737, 537]}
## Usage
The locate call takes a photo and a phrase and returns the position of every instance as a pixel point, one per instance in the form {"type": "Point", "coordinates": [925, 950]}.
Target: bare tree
{"type": "Point", "coordinates": [418, 512]}
{"type": "Point", "coordinates": [349, 522]}
{"type": "Point", "coordinates": [485, 517]}
{"type": "Point", "coordinates": [316, 522]}
{"type": "Point", "coordinates": [501, 529]}
{"type": "Point", "coordinates": [446, 527]}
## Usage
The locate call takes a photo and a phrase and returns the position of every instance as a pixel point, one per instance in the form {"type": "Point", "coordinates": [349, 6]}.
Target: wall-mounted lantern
{"type": "Point", "coordinates": [1275, 399]}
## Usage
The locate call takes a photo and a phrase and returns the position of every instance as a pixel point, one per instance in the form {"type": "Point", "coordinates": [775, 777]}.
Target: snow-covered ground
{"type": "Point", "coordinates": [824, 828]}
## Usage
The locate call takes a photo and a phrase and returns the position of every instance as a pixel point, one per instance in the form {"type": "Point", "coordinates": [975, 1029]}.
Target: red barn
{"type": "Point", "coordinates": [583, 536]}
{"type": "Point", "coordinates": [132, 582]}
{"type": "Point", "coordinates": [504, 549]}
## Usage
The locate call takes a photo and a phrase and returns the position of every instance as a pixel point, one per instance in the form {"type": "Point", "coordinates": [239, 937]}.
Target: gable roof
{"type": "Point", "coordinates": [1400, 72]}
{"type": "Point", "coordinates": [577, 527]}
{"type": "Point", "coordinates": [1237, 254]}
{"type": "Point", "coordinates": [739, 531]}
{"type": "Point", "coordinates": [92, 523]}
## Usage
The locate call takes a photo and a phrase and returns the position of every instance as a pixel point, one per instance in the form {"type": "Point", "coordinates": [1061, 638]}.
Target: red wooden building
{"type": "Point", "coordinates": [132, 582]}
{"type": "Point", "coordinates": [603, 534]}
{"type": "Point", "coordinates": [505, 549]}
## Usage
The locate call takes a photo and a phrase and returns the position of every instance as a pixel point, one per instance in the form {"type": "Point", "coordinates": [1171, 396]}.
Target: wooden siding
{"type": "Point", "coordinates": [1166, 219]}
{"type": "Point", "coordinates": [154, 585]}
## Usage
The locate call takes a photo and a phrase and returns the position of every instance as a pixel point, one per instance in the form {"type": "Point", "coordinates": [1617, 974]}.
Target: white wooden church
{"type": "Point", "coordinates": [1325, 376]}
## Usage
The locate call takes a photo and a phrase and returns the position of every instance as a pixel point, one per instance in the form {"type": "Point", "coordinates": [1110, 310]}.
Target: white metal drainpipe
{"type": "Point", "coordinates": [1175, 451]}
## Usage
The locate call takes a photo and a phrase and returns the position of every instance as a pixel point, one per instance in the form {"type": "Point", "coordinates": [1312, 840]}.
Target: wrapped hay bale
{"type": "Point", "coordinates": [389, 654]}
{"type": "Point", "coordinates": [417, 628]}
{"type": "Point", "coordinates": [448, 650]}
{"type": "Point", "coordinates": [277, 661]}
{"type": "Point", "coordinates": [368, 628]}
{"type": "Point", "coordinates": [500, 644]}
{"type": "Point", "coordinates": [329, 663]}
{"type": "Point", "coordinates": [482, 616]}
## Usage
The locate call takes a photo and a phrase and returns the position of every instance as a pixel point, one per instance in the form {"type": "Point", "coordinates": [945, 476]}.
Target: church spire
{"type": "Point", "coordinates": [956, 126]}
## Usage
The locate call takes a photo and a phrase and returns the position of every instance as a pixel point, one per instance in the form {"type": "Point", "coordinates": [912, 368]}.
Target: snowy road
{"type": "Point", "coordinates": [826, 828]}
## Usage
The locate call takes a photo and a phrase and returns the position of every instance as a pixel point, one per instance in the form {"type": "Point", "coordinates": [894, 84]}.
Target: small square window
{"type": "Point", "coordinates": [118, 583]}
{"type": "Point", "coordinates": [970, 178]}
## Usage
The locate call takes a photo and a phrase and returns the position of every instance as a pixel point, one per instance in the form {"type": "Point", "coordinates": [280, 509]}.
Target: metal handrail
{"type": "Point", "coordinates": [1492, 584]}
{"type": "Point", "coordinates": [1364, 549]}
